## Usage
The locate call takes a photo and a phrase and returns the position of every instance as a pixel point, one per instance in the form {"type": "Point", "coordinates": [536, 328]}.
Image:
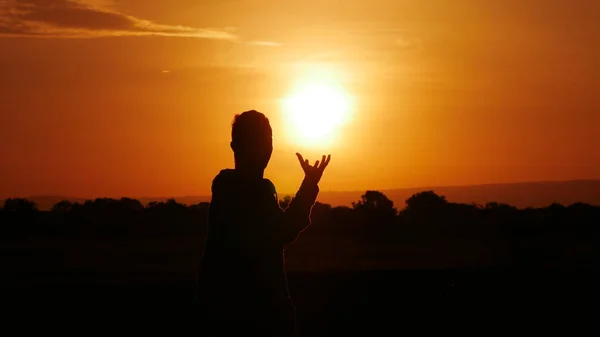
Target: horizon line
{"type": "Point", "coordinates": [424, 188]}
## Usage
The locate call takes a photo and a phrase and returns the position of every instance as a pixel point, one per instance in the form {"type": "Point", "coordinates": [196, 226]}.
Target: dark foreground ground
{"type": "Point", "coordinates": [339, 303]}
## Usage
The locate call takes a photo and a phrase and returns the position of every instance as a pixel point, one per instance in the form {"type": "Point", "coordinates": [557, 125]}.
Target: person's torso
{"type": "Point", "coordinates": [245, 265]}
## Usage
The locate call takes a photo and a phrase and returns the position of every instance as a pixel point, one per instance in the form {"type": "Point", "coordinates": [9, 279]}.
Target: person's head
{"type": "Point", "coordinates": [251, 140]}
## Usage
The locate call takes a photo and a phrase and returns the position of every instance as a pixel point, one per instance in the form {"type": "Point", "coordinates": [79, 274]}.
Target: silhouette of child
{"type": "Point", "coordinates": [242, 286]}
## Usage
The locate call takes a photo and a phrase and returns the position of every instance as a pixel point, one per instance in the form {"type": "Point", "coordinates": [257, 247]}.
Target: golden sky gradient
{"type": "Point", "coordinates": [136, 97]}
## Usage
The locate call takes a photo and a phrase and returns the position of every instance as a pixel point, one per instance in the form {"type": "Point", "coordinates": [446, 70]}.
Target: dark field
{"type": "Point", "coordinates": [328, 302]}
{"type": "Point", "coordinates": [366, 270]}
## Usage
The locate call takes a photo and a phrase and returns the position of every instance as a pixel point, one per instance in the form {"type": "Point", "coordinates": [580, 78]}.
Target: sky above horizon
{"type": "Point", "coordinates": [135, 98]}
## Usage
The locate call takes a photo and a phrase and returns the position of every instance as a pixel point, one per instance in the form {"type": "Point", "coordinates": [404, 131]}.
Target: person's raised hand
{"type": "Point", "coordinates": [313, 173]}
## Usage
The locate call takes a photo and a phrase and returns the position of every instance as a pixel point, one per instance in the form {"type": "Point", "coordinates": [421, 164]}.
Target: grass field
{"type": "Point", "coordinates": [335, 290]}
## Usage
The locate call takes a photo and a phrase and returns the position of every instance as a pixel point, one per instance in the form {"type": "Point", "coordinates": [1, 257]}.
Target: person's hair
{"type": "Point", "coordinates": [250, 127]}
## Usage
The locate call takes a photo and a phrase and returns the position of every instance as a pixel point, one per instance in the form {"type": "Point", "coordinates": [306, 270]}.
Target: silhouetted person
{"type": "Point", "coordinates": [242, 286]}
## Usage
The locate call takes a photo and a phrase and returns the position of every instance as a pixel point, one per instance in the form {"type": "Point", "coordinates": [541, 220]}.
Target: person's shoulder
{"type": "Point", "coordinates": [270, 186]}
{"type": "Point", "coordinates": [225, 173]}
{"type": "Point", "coordinates": [222, 179]}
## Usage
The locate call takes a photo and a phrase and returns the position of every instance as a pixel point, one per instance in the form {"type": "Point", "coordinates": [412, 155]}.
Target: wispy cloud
{"type": "Point", "coordinates": [87, 18]}
{"type": "Point", "coordinates": [409, 43]}
{"type": "Point", "coordinates": [265, 43]}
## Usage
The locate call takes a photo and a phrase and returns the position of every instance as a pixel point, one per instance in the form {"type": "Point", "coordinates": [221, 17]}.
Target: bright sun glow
{"type": "Point", "coordinates": [315, 110]}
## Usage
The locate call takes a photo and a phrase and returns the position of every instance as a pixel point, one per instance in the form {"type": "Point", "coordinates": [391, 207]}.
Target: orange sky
{"type": "Point", "coordinates": [445, 92]}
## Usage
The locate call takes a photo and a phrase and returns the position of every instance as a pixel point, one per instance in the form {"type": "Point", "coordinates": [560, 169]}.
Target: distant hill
{"type": "Point", "coordinates": [46, 202]}
{"type": "Point", "coordinates": [522, 195]}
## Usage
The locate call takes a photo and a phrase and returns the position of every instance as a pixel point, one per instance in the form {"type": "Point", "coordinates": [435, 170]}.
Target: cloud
{"type": "Point", "coordinates": [404, 42]}
{"type": "Point", "coordinates": [87, 18]}
{"type": "Point", "coordinates": [265, 43]}
{"type": "Point", "coordinates": [410, 43]}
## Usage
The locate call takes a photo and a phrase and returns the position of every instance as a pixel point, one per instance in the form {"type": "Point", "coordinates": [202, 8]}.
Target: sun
{"type": "Point", "coordinates": [314, 112]}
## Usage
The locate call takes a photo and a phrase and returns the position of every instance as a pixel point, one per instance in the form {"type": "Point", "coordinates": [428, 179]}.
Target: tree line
{"type": "Point", "coordinates": [526, 236]}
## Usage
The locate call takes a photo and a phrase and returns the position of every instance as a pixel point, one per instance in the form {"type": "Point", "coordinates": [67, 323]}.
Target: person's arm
{"type": "Point", "coordinates": [296, 217]}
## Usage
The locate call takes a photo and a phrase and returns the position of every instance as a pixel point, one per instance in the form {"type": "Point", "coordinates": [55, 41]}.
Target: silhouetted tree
{"type": "Point", "coordinates": [19, 205]}
{"type": "Point", "coordinates": [427, 200]}
{"type": "Point", "coordinates": [375, 203]}
{"type": "Point", "coordinates": [20, 217]}
{"type": "Point", "coordinates": [498, 207]}
{"type": "Point", "coordinates": [495, 233]}
{"type": "Point", "coordinates": [376, 211]}
{"type": "Point", "coordinates": [132, 204]}
{"type": "Point", "coordinates": [62, 207]}
{"type": "Point", "coordinates": [425, 208]}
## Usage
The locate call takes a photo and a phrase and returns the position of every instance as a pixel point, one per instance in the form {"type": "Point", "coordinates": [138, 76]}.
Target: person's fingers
{"type": "Point", "coordinates": [302, 161]}
{"type": "Point", "coordinates": [322, 160]}
{"type": "Point", "coordinates": [322, 167]}
{"type": "Point", "coordinates": [306, 164]}
{"type": "Point", "coordinates": [325, 162]}
{"type": "Point", "coordinates": [316, 164]}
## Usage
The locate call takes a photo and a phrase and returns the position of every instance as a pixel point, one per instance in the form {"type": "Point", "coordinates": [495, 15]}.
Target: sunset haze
{"type": "Point", "coordinates": [136, 97]}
